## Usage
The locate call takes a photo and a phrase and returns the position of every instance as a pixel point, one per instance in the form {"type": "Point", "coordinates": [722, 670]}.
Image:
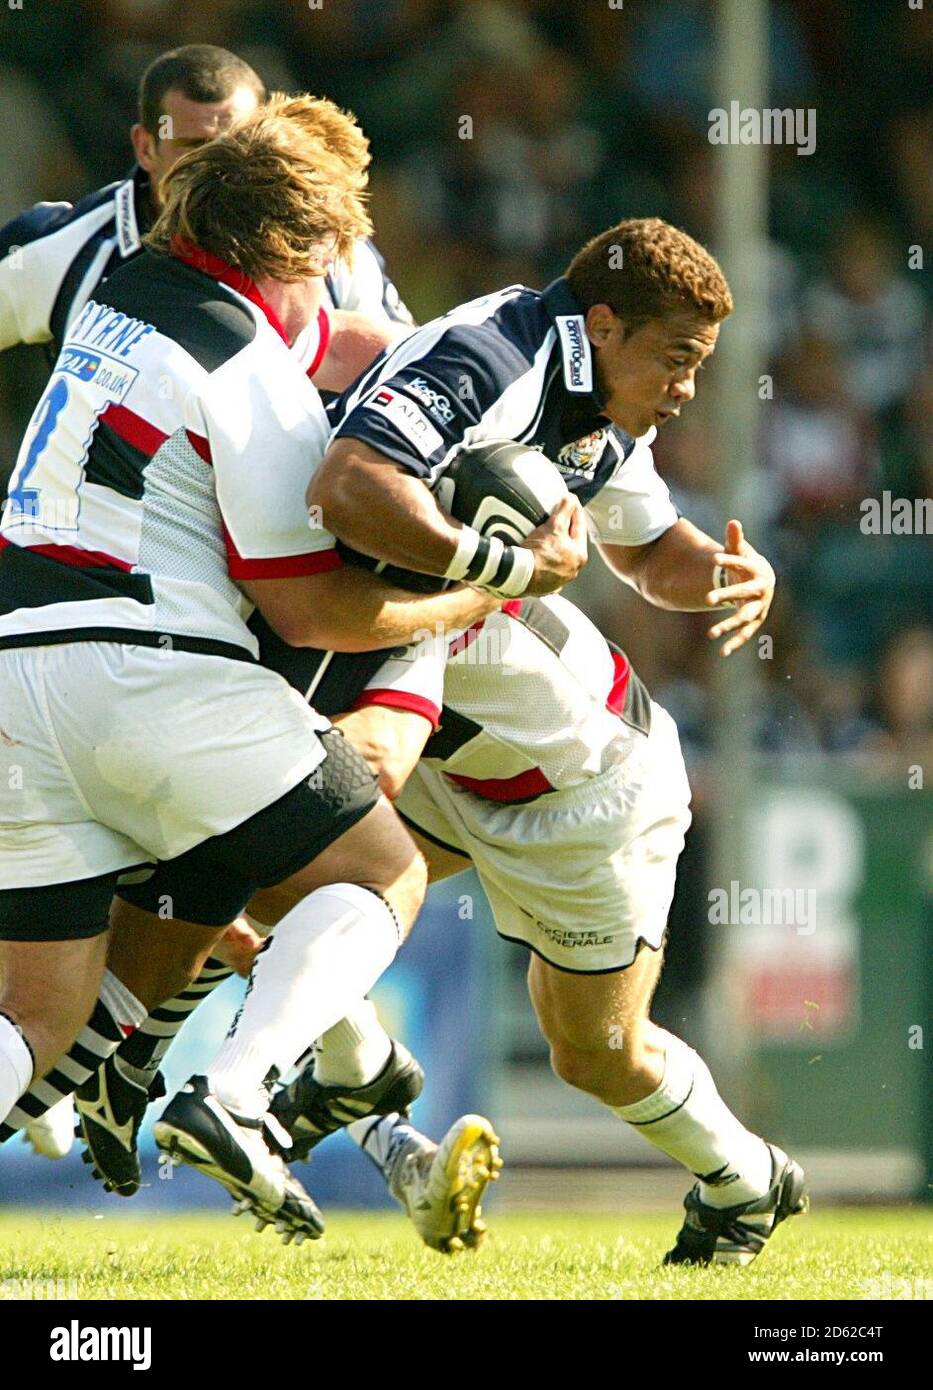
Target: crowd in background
{"type": "Point", "coordinates": [505, 132]}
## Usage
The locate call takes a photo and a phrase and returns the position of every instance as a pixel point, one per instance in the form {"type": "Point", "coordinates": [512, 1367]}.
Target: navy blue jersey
{"type": "Point", "coordinates": [54, 257]}
{"type": "Point", "coordinates": [516, 364]}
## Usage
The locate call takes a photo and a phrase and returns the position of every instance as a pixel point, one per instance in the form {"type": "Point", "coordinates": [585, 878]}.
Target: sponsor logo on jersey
{"type": "Point", "coordinates": [438, 405]}
{"type": "Point", "coordinates": [108, 375]}
{"type": "Point", "coordinates": [409, 419]}
{"type": "Point", "coordinates": [578, 360]}
{"type": "Point", "coordinates": [127, 227]}
{"type": "Point", "coordinates": [583, 455]}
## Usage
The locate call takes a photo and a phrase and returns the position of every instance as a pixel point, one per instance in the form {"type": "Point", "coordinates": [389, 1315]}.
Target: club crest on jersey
{"type": "Point", "coordinates": [408, 418]}
{"type": "Point", "coordinates": [583, 455]}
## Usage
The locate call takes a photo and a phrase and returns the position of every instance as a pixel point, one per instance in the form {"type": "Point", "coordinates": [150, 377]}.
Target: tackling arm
{"type": "Point", "coordinates": [350, 610]}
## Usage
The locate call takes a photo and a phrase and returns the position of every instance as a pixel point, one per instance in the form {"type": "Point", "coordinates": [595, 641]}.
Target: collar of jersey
{"type": "Point", "coordinates": [218, 269]}
{"type": "Point", "coordinates": [141, 187]}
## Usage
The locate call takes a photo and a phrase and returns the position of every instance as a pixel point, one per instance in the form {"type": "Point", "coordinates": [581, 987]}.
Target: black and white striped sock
{"type": "Point", "coordinates": [116, 1012]}
{"type": "Point", "coordinates": [142, 1052]}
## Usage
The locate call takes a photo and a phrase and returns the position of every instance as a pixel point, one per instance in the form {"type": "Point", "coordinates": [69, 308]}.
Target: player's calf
{"type": "Point", "coordinates": [603, 1042]}
{"type": "Point", "coordinates": [49, 989]}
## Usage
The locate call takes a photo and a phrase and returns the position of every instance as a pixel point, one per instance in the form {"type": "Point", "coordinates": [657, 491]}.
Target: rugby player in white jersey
{"type": "Point", "coordinates": [54, 256]}
{"type": "Point", "coordinates": [137, 535]}
{"type": "Point", "coordinates": [574, 822]}
{"type": "Point", "coordinates": [190, 93]}
{"type": "Point", "coordinates": [586, 371]}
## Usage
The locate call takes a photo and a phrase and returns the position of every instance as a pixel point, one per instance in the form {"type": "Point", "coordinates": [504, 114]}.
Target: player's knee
{"type": "Point", "coordinates": [49, 1033]}
{"type": "Point", "coordinates": [581, 1068]}
{"type": "Point", "coordinates": [599, 1060]}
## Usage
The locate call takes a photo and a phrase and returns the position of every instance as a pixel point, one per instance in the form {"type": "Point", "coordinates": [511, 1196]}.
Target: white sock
{"type": "Point", "coordinates": [325, 955]}
{"type": "Point", "coordinates": [380, 1138]}
{"type": "Point", "coordinates": [354, 1051]}
{"type": "Point", "coordinates": [16, 1065]}
{"type": "Point", "coordinates": [687, 1118]}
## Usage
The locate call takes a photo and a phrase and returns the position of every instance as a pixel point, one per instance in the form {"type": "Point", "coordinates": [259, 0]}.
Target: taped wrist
{"type": "Point", "coordinates": [490, 564]}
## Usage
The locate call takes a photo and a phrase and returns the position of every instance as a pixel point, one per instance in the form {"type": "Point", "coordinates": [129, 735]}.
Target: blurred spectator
{"type": "Point", "coordinates": [872, 313]}
{"type": "Point", "coordinates": [38, 159]}
{"type": "Point", "coordinates": [819, 445]}
{"type": "Point", "coordinates": [906, 698]}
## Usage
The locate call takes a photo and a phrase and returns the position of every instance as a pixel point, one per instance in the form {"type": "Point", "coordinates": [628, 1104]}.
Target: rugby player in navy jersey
{"type": "Point", "coordinates": [585, 371]}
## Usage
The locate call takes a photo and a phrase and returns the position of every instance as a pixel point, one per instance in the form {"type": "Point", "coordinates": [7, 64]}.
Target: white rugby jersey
{"type": "Point", "coordinates": [516, 364]}
{"type": "Point", "coordinates": [535, 699]}
{"type": "Point", "coordinates": [168, 457]}
{"type": "Point", "coordinates": [54, 256]}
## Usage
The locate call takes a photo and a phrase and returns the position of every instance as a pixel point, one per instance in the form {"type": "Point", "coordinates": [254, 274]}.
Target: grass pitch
{"type": "Point", "coordinates": [842, 1253]}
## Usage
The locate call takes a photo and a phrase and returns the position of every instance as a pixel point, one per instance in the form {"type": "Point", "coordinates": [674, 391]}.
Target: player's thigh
{"type": "Point", "coordinates": [591, 1011]}
{"type": "Point", "coordinates": [440, 839]}
{"type": "Point", "coordinates": [378, 853]}
{"type": "Point", "coordinates": [214, 881]}
{"type": "Point", "coordinates": [442, 862]}
{"type": "Point", "coordinates": [176, 748]}
{"type": "Point", "coordinates": [270, 905]}
{"type": "Point", "coordinates": [49, 989]}
{"type": "Point", "coordinates": [155, 956]}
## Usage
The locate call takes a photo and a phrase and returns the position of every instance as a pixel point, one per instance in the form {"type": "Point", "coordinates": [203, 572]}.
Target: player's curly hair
{"type": "Point", "coordinates": [278, 194]}
{"type": "Point", "coordinates": [644, 268]}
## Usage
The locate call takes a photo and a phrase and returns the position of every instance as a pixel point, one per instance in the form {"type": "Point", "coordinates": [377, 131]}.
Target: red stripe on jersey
{"type": "Point", "coordinates": [323, 328]}
{"type": "Point", "coordinates": [200, 445]}
{"type": "Point", "coordinates": [615, 700]}
{"type": "Point", "coordinates": [134, 429]}
{"type": "Point", "coordinates": [400, 699]}
{"type": "Point", "coordinates": [460, 644]}
{"type": "Point", "coordinates": [522, 787]}
{"type": "Point", "coordinates": [74, 555]}
{"type": "Point", "coordinates": [278, 566]}
{"type": "Point", "coordinates": [218, 269]}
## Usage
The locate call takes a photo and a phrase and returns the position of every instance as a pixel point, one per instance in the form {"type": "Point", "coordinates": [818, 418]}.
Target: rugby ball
{"type": "Point", "coordinates": [501, 488]}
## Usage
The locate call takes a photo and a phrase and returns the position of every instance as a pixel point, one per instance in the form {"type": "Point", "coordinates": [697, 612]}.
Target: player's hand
{"type": "Point", "coordinates": [750, 593]}
{"type": "Point", "coordinates": [559, 547]}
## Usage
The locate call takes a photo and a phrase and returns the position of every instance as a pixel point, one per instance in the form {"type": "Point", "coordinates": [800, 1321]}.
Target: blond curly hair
{"type": "Point", "coordinates": [279, 194]}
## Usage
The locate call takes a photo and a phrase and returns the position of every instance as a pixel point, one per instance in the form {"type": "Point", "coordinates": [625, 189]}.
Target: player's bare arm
{"type": "Point", "coordinates": [374, 505]}
{"type": "Point", "coordinates": [350, 610]}
{"type": "Point", "coordinates": [678, 571]}
{"type": "Point", "coordinates": [355, 340]}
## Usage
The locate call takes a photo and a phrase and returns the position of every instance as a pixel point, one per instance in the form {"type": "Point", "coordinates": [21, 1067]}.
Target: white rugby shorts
{"type": "Point", "coordinates": [114, 755]}
{"type": "Point", "coordinates": [582, 875]}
